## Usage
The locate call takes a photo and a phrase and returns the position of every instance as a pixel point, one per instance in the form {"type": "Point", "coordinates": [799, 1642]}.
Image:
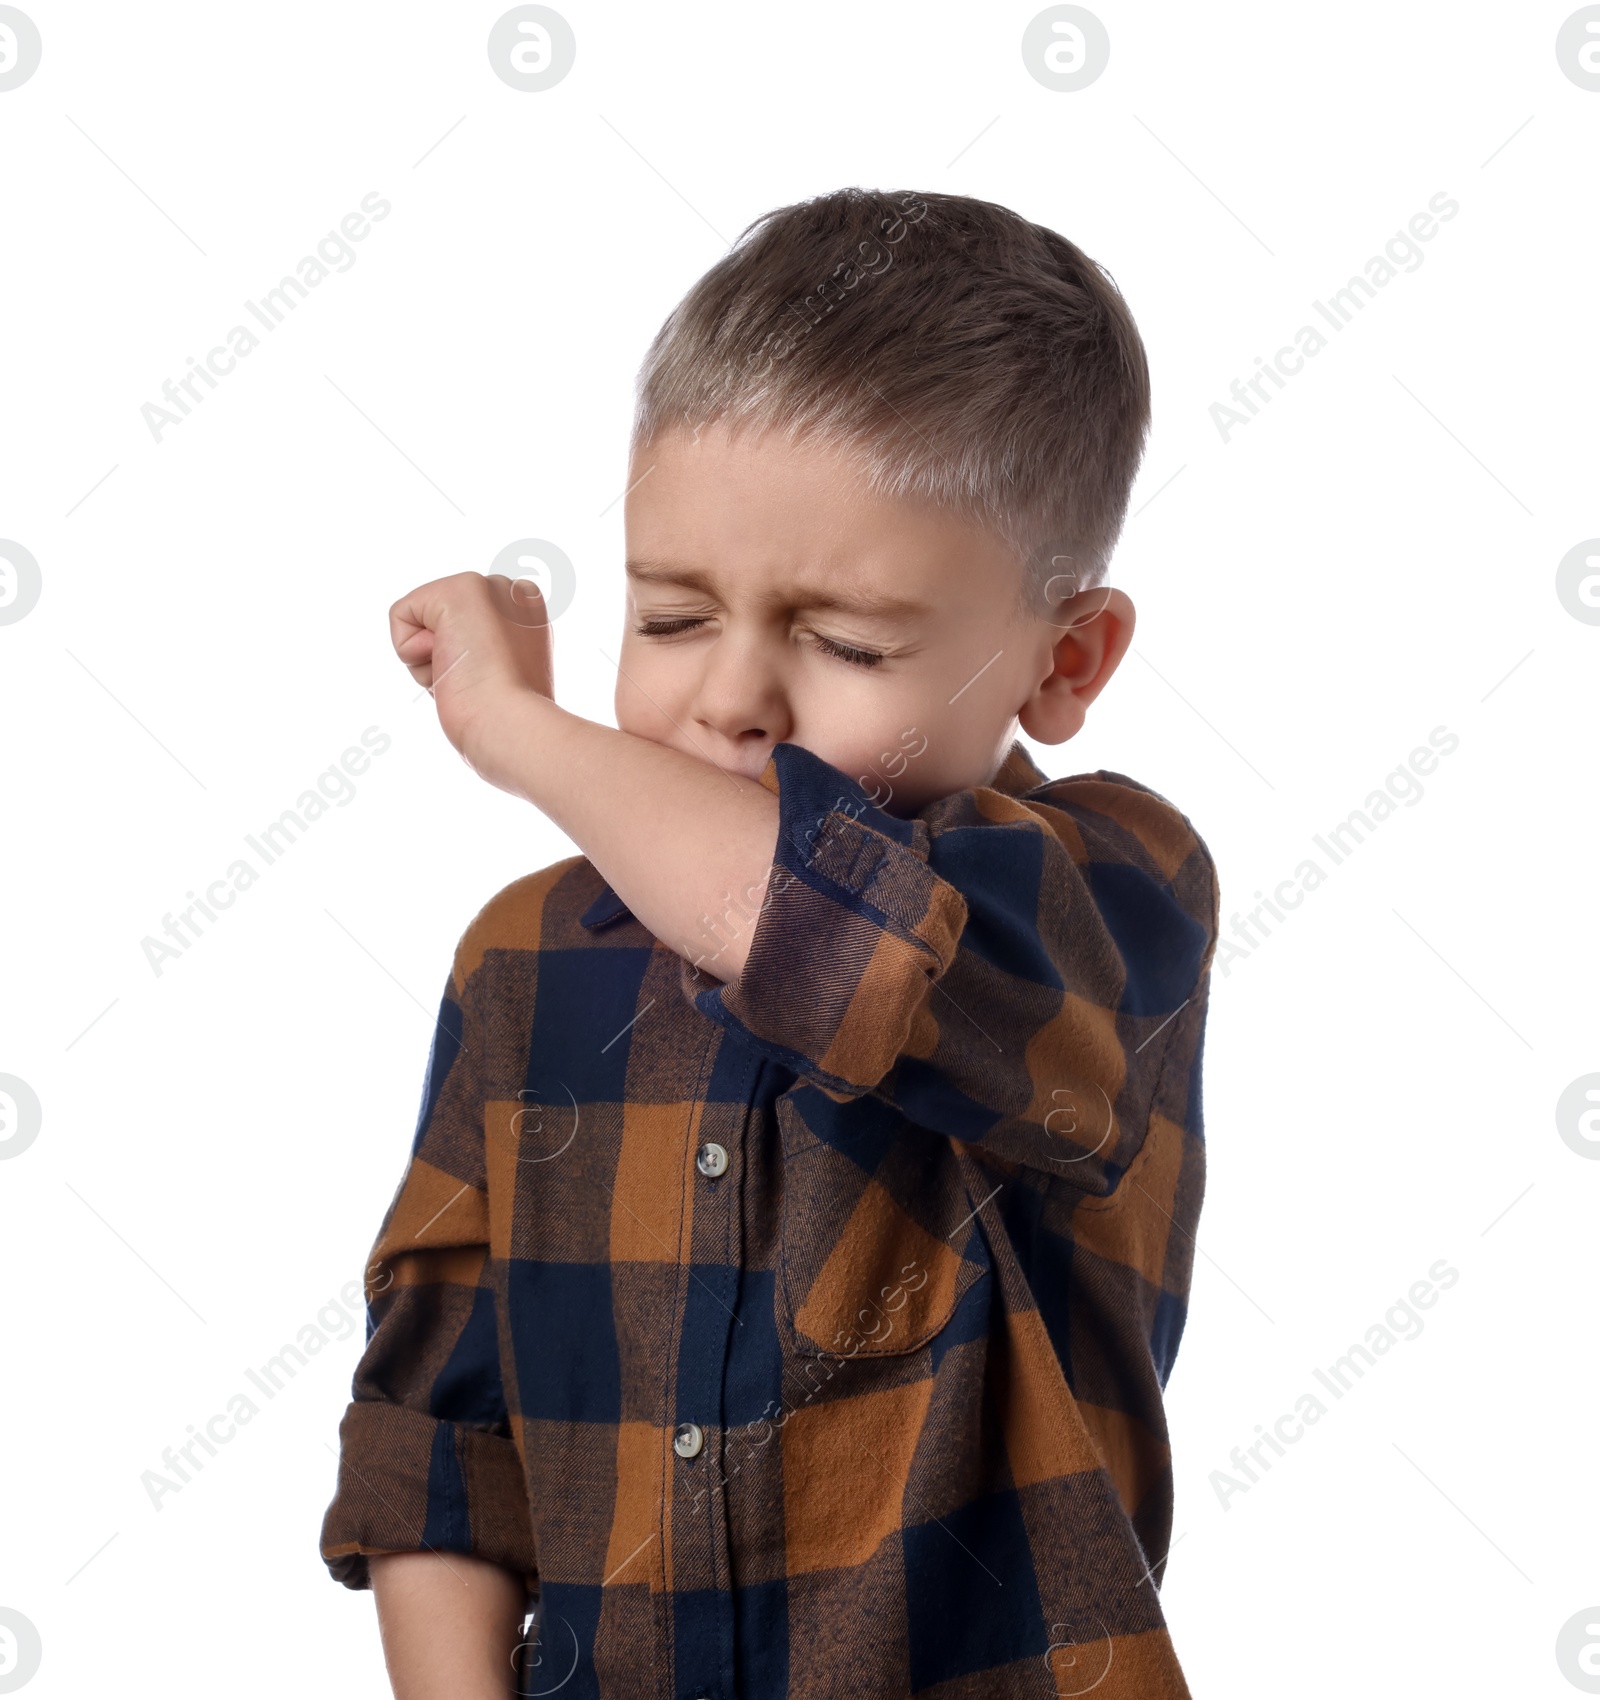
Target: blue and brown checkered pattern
{"type": "Point", "coordinates": [807, 1336]}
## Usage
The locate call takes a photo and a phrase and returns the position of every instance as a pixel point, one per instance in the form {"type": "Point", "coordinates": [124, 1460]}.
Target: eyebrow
{"type": "Point", "coordinates": [864, 603]}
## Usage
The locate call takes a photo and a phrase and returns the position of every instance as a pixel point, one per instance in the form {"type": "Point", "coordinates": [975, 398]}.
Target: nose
{"type": "Point", "coordinates": [740, 704]}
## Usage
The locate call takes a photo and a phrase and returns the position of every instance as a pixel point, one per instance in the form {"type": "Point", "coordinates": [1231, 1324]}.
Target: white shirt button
{"type": "Point", "coordinates": [688, 1440]}
{"type": "Point", "coordinates": [713, 1158]}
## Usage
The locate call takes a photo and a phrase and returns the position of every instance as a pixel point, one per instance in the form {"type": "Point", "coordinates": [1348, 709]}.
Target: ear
{"type": "Point", "coordinates": [1086, 642]}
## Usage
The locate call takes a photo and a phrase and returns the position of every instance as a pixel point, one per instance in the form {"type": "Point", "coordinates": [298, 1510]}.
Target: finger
{"type": "Point", "coordinates": [418, 647]}
{"type": "Point", "coordinates": [419, 611]}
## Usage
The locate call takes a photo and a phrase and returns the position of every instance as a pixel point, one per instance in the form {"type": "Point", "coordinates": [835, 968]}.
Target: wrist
{"type": "Point", "coordinates": [504, 741]}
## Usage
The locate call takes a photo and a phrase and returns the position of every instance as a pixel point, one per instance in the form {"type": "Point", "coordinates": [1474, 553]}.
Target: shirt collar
{"type": "Point", "coordinates": [606, 907]}
{"type": "Point", "coordinates": [1017, 773]}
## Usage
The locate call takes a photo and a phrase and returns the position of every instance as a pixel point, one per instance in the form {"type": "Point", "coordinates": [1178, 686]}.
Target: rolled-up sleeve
{"type": "Point", "coordinates": [426, 1458]}
{"type": "Point", "coordinates": [1005, 969]}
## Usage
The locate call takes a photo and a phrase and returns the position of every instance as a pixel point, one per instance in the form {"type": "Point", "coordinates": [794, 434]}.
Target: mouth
{"type": "Point", "coordinates": [749, 764]}
{"type": "Point", "coordinates": [745, 771]}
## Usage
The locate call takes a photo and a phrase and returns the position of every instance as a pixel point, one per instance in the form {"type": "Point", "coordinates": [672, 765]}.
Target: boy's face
{"type": "Point", "coordinates": [772, 599]}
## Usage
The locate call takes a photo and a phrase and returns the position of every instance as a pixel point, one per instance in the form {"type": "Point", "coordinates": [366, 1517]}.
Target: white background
{"type": "Point", "coordinates": [1372, 557]}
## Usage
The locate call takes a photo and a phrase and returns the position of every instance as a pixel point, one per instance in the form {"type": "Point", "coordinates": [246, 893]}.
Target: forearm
{"type": "Point", "coordinates": [682, 842]}
{"type": "Point", "coordinates": [449, 1624]}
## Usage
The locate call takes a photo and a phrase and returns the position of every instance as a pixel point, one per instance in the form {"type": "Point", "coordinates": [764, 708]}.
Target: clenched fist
{"type": "Point", "coordinates": [478, 643]}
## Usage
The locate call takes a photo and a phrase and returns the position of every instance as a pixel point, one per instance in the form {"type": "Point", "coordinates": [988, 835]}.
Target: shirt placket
{"type": "Point", "coordinates": [702, 1604]}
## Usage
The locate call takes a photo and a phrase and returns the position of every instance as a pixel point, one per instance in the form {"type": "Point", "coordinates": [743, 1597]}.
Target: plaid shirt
{"type": "Point", "coordinates": [808, 1335]}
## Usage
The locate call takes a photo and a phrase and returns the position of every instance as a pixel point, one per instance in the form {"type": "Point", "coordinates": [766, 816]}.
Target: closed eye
{"type": "Point", "coordinates": [847, 652]}
{"type": "Point", "coordinates": [670, 627]}
{"type": "Point", "coordinates": [666, 628]}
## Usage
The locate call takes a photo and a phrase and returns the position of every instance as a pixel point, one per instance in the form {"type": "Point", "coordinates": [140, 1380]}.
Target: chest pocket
{"type": "Point", "coordinates": [880, 1239]}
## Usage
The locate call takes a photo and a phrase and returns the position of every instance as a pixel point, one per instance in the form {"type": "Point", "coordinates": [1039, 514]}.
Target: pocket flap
{"type": "Point", "coordinates": [873, 1264]}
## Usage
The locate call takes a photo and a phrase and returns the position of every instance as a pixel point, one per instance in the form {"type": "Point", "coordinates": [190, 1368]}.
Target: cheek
{"type": "Point", "coordinates": [892, 750]}
{"type": "Point", "coordinates": [646, 694]}
{"type": "Point", "coordinates": [943, 752]}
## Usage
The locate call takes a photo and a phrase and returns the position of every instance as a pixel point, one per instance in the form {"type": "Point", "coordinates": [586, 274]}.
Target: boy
{"type": "Point", "coordinates": [799, 1224]}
